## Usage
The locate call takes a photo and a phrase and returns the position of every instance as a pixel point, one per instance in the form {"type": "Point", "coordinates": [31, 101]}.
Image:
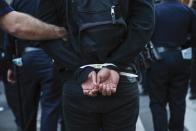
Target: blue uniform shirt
{"type": "Point", "coordinates": [29, 7]}
{"type": "Point", "coordinates": [174, 22]}
{"type": "Point", "coordinates": [4, 8]}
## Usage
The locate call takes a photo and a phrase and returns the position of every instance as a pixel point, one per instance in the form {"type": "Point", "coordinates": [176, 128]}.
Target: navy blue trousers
{"type": "Point", "coordinates": [168, 84]}
{"type": "Point", "coordinates": [39, 83]}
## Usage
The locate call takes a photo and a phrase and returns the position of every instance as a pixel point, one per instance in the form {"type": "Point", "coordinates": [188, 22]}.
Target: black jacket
{"type": "Point", "coordinates": [140, 20]}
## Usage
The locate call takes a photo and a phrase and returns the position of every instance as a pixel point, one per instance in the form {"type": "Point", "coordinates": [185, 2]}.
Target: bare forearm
{"type": "Point", "coordinates": [27, 27]}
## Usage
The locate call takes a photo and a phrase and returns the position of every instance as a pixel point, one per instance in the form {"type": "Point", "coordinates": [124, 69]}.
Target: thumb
{"type": "Point", "coordinates": [94, 77]}
{"type": "Point", "coordinates": [98, 79]}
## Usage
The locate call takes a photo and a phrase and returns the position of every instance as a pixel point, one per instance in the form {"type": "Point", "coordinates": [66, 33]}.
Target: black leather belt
{"type": "Point", "coordinates": [166, 49]}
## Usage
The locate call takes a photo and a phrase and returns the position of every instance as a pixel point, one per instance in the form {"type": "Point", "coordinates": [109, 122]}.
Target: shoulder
{"type": "Point", "coordinates": [191, 12]}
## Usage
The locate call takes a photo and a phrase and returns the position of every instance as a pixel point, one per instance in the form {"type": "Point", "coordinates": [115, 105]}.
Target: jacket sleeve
{"type": "Point", "coordinates": [140, 28]}
{"type": "Point", "coordinates": [62, 52]}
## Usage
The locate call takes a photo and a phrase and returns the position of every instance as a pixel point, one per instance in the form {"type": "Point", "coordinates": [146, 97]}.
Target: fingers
{"type": "Point", "coordinates": [100, 88]}
{"type": "Point", "coordinates": [104, 89]}
{"type": "Point", "coordinates": [113, 88]}
{"type": "Point", "coordinates": [107, 89]}
{"type": "Point", "coordinates": [90, 85]}
{"type": "Point", "coordinates": [104, 92]}
{"type": "Point", "coordinates": [105, 82]}
{"type": "Point", "coordinates": [94, 78]}
{"type": "Point", "coordinates": [90, 92]}
{"type": "Point", "coordinates": [98, 79]}
{"type": "Point", "coordinates": [10, 77]}
{"type": "Point", "coordinates": [86, 86]}
{"type": "Point", "coordinates": [93, 92]}
{"type": "Point", "coordinates": [86, 92]}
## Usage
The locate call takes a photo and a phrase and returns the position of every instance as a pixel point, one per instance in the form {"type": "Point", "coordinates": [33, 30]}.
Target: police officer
{"type": "Point", "coordinates": [169, 75]}
{"type": "Point", "coordinates": [26, 27]}
{"type": "Point", "coordinates": [36, 79]}
{"type": "Point", "coordinates": [110, 108]}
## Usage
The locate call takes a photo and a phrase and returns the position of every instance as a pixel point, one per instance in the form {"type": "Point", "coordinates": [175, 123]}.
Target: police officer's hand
{"type": "Point", "coordinates": [108, 81]}
{"type": "Point", "coordinates": [89, 86]}
{"type": "Point", "coordinates": [10, 76]}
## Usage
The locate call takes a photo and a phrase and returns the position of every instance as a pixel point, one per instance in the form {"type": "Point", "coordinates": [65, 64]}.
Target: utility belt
{"type": "Point", "coordinates": [186, 53]}
{"type": "Point", "coordinates": [167, 49]}
{"type": "Point", "coordinates": [154, 54]}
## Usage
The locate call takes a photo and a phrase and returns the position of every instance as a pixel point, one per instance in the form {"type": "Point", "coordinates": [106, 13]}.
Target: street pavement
{"type": "Point", "coordinates": [144, 121]}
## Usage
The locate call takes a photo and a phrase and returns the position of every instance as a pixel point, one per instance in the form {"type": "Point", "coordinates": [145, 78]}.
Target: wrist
{"type": "Point", "coordinates": [112, 67]}
{"type": "Point", "coordinates": [81, 74]}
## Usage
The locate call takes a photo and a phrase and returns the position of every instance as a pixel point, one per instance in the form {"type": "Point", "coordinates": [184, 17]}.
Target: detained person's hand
{"type": "Point", "coordinates": [89, 86]}
{"type": "Point", "coordinates": [107, 80]}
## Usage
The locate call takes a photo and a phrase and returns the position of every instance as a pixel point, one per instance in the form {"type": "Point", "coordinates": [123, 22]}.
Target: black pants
{"type": "Point", "coordinates": [168, 84]}
{"type": "Point", "coordinates": [115, 113]}
{"type": "Point", "coordinates": [38, 82]}
{"type": "Point", "coordinates": [193, 73]}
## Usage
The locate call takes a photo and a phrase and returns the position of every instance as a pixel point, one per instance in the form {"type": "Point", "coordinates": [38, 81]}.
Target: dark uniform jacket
{"type": "Point", "coordinates": [140, 20]}
{"type": "Point", "coordinates": [174, 22]}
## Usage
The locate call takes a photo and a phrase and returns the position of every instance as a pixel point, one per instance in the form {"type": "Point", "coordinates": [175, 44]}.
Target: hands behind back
{"type": "Point", "coordinates": [104, 82]}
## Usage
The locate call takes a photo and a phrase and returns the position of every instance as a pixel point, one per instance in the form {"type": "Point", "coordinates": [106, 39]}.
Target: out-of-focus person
{"type": "Point", "coordinates": [36, 78]}
{"type": "Point", "coordinates": [169, 75]}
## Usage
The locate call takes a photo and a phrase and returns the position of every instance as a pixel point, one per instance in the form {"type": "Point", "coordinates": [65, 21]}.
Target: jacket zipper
{"type": "Point", "coordinates": [113, 14]}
